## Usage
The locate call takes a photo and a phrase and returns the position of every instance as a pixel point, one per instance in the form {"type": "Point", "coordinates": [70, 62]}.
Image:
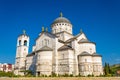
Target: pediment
{"type": "Point", "coordinates": [46, 34]}
{"type": "Point", "coordinates": [81, 36]}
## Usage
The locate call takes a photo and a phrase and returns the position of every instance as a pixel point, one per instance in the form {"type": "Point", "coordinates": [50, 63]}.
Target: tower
{"type": "Point", "coordinates": [21, 53]}
{"type": "Point", "coordinates": [62, 28]}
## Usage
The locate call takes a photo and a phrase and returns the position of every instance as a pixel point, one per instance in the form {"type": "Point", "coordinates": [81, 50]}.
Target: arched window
{"type": "Point", "coordinates": [19, 42]}
{"type": "Point", "coordinates": [25, 43]}
{"type": "Point", "coordinates": [45, 42]}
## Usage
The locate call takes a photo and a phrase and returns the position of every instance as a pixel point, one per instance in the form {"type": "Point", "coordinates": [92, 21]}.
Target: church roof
{"type": "Point", "coordinates": [70, 40]}
{"type": "Point", "coordinates": [61, 41]}
{"type": "Point", "coordinates": [85, 41]}
{"type": "Point", "coordinates": [48, 33]}
{"type": "Point", "coordinates": [23, 34]}
{"type": "Point", "coordinates": [61, 19]}
{"type": "Point", "coordinates": [45, 48]}
{"type": "Point", "coordinates": [88, 54]}
{"type": "Point", "coordinates": [95, 54]}
{"type": "Point", "coordinates": [85, 54]}
{"type": "Point", "coordinates": [65, 47]}
{"type": "Point", "coordinates": [31, 54]}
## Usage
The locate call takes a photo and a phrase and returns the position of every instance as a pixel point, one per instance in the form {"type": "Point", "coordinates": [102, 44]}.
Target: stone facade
{"type": "Point", "coordinates": [58, 52]}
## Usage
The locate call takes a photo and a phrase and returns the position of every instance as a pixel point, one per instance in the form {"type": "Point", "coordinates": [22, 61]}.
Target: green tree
{"type": "Point", "coordinates": [107, 69]}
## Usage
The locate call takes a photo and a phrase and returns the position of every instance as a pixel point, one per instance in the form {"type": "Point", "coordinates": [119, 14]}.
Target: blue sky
{"type": "Point", "coordinates": [99, 20]}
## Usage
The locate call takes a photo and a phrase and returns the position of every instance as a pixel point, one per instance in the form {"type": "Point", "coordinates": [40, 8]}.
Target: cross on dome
{"type": "Point", "coordinates": [24, 32]}
{"type": "Point", "coordinates": [61, 14]}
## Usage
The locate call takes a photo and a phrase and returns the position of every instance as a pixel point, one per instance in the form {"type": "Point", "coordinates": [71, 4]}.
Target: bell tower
{"type": "Point", "coordinates": [21, 53]}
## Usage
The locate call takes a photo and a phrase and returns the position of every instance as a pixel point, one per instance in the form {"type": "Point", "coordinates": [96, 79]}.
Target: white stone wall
{"type": "Point", "coordinates": [65, 62]}
{"type": "Point", "coordinates": [21, 53]}
{"type": "Point", "coordinates": [85, 65]}
{"type": "Point", "coordinates": [44, 40]}
{"type": "Point", "coordinates": [22, 38]}
{"type": "Point", "coordinates": [44, 62]}
{"type": "Point", "coordinates": [83, 59]}
{"type": "Point", "coordinates": [29, 61]}
{"type": "Point", "coordinates": [97, 66]}
{"type": "Point", "coordinates": [88, 47]}
{"type": "Point", "coordinates": [82, 36]}
{"type": "Point", "coordinates": [67, 36]}
{"type": "Point", "coordinates": [59, 27]}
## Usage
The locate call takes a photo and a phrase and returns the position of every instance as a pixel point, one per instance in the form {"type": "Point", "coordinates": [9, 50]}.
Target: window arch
{"type": "Point", "coordinates": [19, 42]}
{"type": "Point", "coordinates": [25, 43]}
{"type": "Point", "coordinates": [45, 42]}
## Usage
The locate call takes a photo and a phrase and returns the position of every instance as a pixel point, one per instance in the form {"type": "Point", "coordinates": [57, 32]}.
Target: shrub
{"type": "Point", "coordinates": [71, 75]}
{"type": "Point", "coordinates": [6, 74]}
{"type": "Point", "coordinates": [54, 74]}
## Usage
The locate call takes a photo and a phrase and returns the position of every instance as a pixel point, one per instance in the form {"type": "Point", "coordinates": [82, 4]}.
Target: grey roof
{"type": "Point", "coordinates": [70, 40]}
{"type": "Point", "coordinates": [78, 34]}
{"type": "Point", "coordinates": [47, 33]}
{"type": "Point", "coordinates": [23, 35]}
{"type": "Point", "coordinates": [31, 54]}
{"type": "Point", "coordinates": [61, 41]}
{"type": "Point", "coordinates": [95, 54]}
{"type": "Point", "coordinates": [85, 54]}
{"type": "Point", "coordinates": [88, 54]}
{"type": "Point", "coordinates": [60, 20]}
{"type": "Point", "coordinates": [83, 40]}
{"type": "Point", "coordinates": [45, 48]}
{"type": "Point", "coordinates": [65, 47]}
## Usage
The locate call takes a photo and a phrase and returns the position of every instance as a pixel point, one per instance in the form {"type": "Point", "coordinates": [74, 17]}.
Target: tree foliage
{"type": "Point", "coordinates": [107, 70]}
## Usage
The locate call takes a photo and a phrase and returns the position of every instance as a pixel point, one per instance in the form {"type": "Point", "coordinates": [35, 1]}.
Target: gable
{"type": "Point", "coordinates": [47, 34]}
{"type": "Point", "coordinates": [81, 36]}
{"type": "Point", "coordinates": [65, 47]}
{"type": "Point", "coordinates": [45, 39]}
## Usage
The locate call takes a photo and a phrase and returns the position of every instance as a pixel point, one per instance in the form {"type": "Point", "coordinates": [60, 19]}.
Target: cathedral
{"type": "Point", "coordinates": [59, 52]}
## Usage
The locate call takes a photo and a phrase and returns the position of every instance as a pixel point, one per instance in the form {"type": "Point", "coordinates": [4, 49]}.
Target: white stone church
{"type": "Point", "coordinates": [58, 52]}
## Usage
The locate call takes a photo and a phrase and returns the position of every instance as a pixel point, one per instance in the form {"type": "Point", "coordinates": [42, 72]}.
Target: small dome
{"type": "Point", "coordinates": [85, 54]}
{"type": "Point", "coordinates": [61, 19]}
{"type": "Point", "coordinates": [95, 54]}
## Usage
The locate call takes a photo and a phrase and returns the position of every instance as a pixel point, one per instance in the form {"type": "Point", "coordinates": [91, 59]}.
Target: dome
{"type": "Point", "coordinates": [85, 54]}
{"type": "Point", "coordinates": [61, 19]}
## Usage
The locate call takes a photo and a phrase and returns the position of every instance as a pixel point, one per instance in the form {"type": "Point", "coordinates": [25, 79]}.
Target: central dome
{"type": "Point", "coordinates": [61, 19]}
